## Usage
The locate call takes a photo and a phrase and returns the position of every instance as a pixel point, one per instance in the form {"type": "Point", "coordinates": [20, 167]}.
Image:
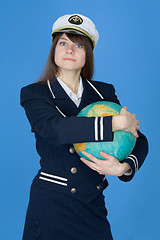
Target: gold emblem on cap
{"type": "Point", "coordinates": [75, 19]}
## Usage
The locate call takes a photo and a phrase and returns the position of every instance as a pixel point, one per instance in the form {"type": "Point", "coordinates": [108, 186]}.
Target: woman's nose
{"type": "Point", "coordinates": [70, 49]}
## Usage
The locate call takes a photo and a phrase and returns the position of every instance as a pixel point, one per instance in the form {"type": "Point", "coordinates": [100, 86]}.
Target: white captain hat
{"type": "Point", "coordinates": [78, 24]}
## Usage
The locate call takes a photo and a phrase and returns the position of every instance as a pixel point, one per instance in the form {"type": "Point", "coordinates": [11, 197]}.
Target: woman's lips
{"type": "Point", "coordinates": [69, 59]}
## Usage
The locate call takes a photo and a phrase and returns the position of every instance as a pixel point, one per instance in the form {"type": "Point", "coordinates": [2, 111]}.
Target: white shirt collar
{"type": "Point", "coordinates": [69, 91]}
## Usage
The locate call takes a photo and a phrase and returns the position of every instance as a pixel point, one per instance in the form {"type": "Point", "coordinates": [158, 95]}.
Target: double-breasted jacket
{"type": "Point", "coordinates": [61, 168]}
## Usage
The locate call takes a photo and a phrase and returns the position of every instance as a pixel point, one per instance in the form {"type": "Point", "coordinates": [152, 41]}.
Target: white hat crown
{"type": "Point", "coordinates": [76, 23]}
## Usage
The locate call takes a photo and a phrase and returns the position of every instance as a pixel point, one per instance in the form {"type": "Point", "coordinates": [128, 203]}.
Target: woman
{"type": "Point", "coordinates": [66, 198]}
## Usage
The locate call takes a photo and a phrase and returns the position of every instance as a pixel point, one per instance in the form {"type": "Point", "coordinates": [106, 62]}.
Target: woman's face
{"type": "Point", "coordinates": [69, 55]}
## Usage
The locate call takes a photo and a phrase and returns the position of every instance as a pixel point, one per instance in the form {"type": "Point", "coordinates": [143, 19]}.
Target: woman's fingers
{"type": "Point", "coordinates": [90, 156]}
{"type": "Point", "coordinates": [111, 166]}
{"type": "Point", "coordinates": [96, 163]}
{"type": "Point", "coordinates": [134, 115]}
{"type": "Point", "coordinates": [135, 133]}
{"type": "Point", "coordinates": [130, 122]}
{"type": "Point", "coordinates": [88, 163]}
{"type": "Point", "coordinates": [125, 107]}
{"type": "Point", "coordinates": [105, 155]}
{"type": "Point", "coordinates": [123, 110]}
{"type": "Point", "coordinates": [96, 160]}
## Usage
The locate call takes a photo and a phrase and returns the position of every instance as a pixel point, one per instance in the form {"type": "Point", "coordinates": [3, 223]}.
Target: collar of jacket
{"type": "Point", "coordinates": [66, 105]}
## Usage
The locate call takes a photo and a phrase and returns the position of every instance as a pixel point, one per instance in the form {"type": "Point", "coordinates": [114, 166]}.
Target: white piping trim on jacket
{"type": "Point", "coordinates": [46, 175]}
{"type": "Point", "coordinates": [53, 176]}
{"type": "Point", "coordinates": [101, 128]}
{"type": "Point", "coordinates": [95, 89]}
{"type": "Point", "coordinates": [49, 85]}
{"type": "Point", "coordinates": [96, 128]}
{"type": "Point", "coordinates": [53, 181]}
{"type": "Point", "coordinates": [61, 112]}
{"type": "Point", "coordinates": [131, 155]}
{"type": "Point", "coordinates": [134, 161]}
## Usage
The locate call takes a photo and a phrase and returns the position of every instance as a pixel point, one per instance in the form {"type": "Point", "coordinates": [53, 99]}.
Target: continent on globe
{"type": "Point", "coordinates": [123, 142]}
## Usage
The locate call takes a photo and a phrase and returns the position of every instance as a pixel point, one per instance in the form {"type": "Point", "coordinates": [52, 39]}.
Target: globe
{"type": "Point", "coordinates": [123, 142]}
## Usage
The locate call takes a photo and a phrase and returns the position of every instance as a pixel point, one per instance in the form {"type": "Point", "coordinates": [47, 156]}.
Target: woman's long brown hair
{"type": "Point", "coordinates": [51, 69]}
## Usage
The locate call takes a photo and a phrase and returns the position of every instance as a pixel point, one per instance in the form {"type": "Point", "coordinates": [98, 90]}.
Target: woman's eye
{"type": "Point", "coordinates": [62, 43]}
{"type": "Point", "coordinates": [79, 45]}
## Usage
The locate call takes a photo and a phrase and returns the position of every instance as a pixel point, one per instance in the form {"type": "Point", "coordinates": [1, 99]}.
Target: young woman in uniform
{"type": "Point", "coordinates": [66, 197]}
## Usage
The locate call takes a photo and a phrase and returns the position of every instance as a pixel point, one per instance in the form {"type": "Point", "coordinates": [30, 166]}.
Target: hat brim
{"type": "Point", "coordinates": [72, 31]}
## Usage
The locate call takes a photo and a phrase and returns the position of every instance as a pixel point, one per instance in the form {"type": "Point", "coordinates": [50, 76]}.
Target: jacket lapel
{"type": "Point", "coordinates": [62, 100]}
{"type": "Point", "coordinates": [66, 105]}
{"type": "Point", "coordinates": [89, 95]}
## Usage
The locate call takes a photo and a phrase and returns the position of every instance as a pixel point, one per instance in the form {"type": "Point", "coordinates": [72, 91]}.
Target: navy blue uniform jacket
{"type": "Point", "coordinates": [61, 169]}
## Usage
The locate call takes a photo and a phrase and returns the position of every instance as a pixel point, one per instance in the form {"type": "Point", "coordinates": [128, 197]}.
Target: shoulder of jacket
{"type": "Point", "coordinates": [34, 87]}
{"type": "Point", "coordinates": [34, 90]}
{"type": "Point", "coordinates": [103, 86]}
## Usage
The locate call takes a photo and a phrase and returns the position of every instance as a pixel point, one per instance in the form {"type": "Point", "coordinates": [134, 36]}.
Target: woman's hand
{"type": "Point", "coordinates": [111, 166]}
{"type": "Point", "coordinates": [126, 121]}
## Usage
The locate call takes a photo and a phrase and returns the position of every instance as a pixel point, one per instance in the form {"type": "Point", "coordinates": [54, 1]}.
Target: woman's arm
{"type": "Point", "coordinates": [53, 127]}
{"type": "Point", "coordinates": [126, 121]}
{"type": "Point", "coordinates": [111, 166]}
{"type": "Point", "coordinates": [135, 160]}
{"type": "Point", "coordinates": [137, 157]}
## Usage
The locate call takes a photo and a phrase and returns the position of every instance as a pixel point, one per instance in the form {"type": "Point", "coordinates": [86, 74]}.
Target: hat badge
{"type": "Point", "coordinates": [75, 19]}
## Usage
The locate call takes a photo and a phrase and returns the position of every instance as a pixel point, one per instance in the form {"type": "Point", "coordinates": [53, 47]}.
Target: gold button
{"type": "Point", "coordinates": [73, 170]}
{"type": "Point", "coordinates": [71, 150]}
{"type": "Point", "coordinates": [73, 190]}
{"type": "Point", "coordinates": [98, 187]}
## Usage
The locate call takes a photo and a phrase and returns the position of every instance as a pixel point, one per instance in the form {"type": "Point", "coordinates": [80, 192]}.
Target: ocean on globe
{"type": "Point", "coordinates": [123, 142]}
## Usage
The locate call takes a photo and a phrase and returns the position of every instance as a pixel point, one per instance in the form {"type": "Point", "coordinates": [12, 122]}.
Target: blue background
{"type": "Point", "coordinates": [128, 56]}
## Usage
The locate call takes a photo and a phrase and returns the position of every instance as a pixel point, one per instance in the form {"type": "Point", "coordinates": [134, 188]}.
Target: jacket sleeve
{"type": "Point", "coordinates": [56, 129]}
{"type": "Point", "coordinates": [138, 155]}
